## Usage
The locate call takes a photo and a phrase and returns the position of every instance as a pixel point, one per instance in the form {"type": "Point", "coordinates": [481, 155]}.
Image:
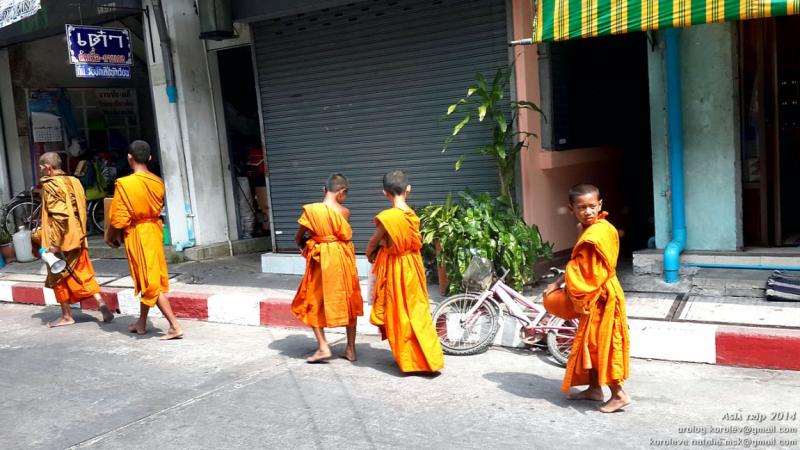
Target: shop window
{"type": "Point", "coordinates": [590, 88]}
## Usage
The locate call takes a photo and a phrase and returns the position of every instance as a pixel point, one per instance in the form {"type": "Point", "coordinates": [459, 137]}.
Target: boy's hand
{"type": "Point", "coordinates": [550, 288]}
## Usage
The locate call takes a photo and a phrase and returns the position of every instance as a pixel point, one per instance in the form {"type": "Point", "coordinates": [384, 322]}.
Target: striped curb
{"type": "Point", "coordinates": [766, 348]}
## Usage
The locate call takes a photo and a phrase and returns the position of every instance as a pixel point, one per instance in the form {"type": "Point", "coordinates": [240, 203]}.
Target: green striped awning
{"type": "Point", "coordinates": [559, 20]}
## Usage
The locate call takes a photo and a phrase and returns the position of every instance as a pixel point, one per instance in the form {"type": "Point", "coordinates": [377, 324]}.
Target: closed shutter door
{"type": "Point", "coordinates": [361, 90]}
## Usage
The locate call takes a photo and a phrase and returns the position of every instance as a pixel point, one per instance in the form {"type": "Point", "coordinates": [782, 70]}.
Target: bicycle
{"type": "Point", "coordinates": [25, 210]}
{"type": "Point", "coordinates": [468, 323]}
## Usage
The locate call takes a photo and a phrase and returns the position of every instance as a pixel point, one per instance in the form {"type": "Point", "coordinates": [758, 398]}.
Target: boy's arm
{"type": "Point", "coordinates": [300, 236]}
{"type": "Point", "coordinates": [374, 243]}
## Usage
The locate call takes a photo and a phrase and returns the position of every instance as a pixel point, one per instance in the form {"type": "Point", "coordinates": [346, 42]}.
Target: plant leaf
{"type": "Point", "coordinates": [471, 91]}
{"type": "Point", "coordinates": [459, 162]}
{"type": "Point", "coordinates": [501, 122]}
{"type": "Point", "coordinates": [461, 124]}
{"type": "Point", "coordinates": [481, 112]}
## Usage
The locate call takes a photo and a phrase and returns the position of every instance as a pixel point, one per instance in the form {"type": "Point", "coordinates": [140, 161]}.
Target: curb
{"type": "Point", "coordinates": [755, 347]}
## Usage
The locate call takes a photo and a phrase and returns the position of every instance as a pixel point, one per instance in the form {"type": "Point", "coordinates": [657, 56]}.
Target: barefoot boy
{"type": "Point", "coordinates": [63, 233]}
{"type": "Point", "coordinates": [136, 209]}
{"type": "Point", "coordinates": [402, 310]}
{"type": "Point", "coordinates": [600, 353]}
{"type": "Point", "coordinates": [329, 294]}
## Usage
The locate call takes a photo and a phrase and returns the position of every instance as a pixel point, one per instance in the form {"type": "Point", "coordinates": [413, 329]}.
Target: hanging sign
{"type": "Point", "coordinates": [99, 52]}
{"type": "Point", "coordinates": [15, 10]}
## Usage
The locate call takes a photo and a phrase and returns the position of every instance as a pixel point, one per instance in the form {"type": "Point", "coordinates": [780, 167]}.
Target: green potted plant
{"type": "Point", "coordinates": [436, 226]}
{"type": "Point", "coordinates": [7, 246]}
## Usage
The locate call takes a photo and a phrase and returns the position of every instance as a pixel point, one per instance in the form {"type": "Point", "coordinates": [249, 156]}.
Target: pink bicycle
{"type": "Point", "coordinates": [468, 323]}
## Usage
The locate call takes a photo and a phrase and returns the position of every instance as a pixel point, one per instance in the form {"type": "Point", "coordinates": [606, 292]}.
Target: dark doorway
{"type": "Point", "coordinates": [770, 111]}
{"type": "Point", "coordinates": [248, 162]}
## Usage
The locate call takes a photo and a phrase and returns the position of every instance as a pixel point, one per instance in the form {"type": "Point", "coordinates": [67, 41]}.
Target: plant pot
{"type": "Point", "coordinates": [8, 252]}
{"type": "Point", "coordinates": [441, 270]}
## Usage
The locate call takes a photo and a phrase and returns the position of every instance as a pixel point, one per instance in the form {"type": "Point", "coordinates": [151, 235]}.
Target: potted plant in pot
{"type": "Point", "coordinates": [6, 245]}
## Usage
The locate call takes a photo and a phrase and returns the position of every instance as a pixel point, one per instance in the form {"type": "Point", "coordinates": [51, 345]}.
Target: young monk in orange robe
{"type": "Point", "coordinates": [600, 354]}
{"type": "Point", "coordinates": [402, 309]}
{"type": "Point", "coordinates": [329, 294]}
{"type": "Point", "coordinates": [63, 233]}
{"type": "Point", "coordinates": [135, 210]}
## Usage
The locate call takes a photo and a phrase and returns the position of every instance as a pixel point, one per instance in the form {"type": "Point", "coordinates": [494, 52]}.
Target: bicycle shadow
{"type": "Point", "coordinates": [532, 386]}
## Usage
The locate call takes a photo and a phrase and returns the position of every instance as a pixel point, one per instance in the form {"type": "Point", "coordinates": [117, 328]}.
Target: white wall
{"type": "Point", "coordinates": [193, 129]}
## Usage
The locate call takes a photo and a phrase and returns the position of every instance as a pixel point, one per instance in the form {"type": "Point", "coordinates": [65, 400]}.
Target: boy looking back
{"type": "Point", "coordinates": [600, 354]}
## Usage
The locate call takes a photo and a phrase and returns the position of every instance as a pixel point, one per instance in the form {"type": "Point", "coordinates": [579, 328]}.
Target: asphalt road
{"type": "Point", "coordinates": [225, 386]}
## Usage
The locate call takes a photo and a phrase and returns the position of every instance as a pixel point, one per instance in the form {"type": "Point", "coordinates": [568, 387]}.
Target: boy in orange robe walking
{"type": "Point", "coordinates": [329, 294]}
{"type": "Point", "coordinates": [135, 210]}
{"type": "Point", "coordinates": [402, 309]}
{"type": "Point", "coordinates": [63, 232]}
{"type": "Point", "coordinates": [601, 351]}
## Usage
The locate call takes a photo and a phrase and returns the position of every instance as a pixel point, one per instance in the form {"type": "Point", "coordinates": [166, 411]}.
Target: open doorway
{"type": "Point", "coordinates": [248, 162]}
{"type": "Point", "coordinates": [770, 109]}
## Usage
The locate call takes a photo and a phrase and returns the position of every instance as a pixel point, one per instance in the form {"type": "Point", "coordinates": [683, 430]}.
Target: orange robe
{"type": "Point", "coordinates": [64, 226]}
{"type": "Point", "coordinates": [136, 209]}
{"type": "Point", "coordinates": [601, 341]}
{"type": "Point", "coordinates": [329, 294]}
{"type": "Point", "coordinates": [402, 309]}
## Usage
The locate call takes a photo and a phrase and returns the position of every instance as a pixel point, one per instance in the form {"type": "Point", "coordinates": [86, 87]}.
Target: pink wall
{"type": "Point", "coordinates": [547, 176]}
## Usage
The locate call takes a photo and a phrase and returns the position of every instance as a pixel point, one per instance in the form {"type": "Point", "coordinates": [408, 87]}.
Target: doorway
{"type": "Point", "coordinates": [247, 157]}
{"type": "Point", "coordinates": [770, 111]}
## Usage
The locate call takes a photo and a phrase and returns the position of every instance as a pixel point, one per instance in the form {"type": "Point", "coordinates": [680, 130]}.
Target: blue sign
{"type": "Point", "coordinates": [102, 71]}
{"type": "Point", "coordinates": [99, 45]}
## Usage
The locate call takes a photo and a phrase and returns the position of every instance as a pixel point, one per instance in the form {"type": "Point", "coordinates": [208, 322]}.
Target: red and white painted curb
{"type": "Point", "coordinates": [769, 348]}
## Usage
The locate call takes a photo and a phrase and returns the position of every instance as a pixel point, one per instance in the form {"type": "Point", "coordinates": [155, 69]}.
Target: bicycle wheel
{"type": "Point", "coordinates": [20, 213]}
{"type": "Point", "coordinates": [461, 335]}
{"type": "Point", "coordinates": [98, 216]}
{"type": "Point", "coordinates": [559, 342]}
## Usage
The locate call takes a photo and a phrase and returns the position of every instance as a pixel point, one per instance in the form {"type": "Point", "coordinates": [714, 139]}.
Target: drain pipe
{"type": "Point", "coordinates": [172, 96]}
{"type": "Point", "coordinates": [673, 251]}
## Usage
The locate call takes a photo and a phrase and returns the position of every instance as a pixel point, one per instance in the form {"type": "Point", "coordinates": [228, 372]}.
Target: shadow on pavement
{"type": "Point", "coordinates": [528, 385]}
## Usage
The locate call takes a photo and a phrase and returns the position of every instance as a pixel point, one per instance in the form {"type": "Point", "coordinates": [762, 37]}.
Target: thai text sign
{"type": "Point", "coordinates": [102, 71]}
{"type": "Point", "coordinates": [99, 45]}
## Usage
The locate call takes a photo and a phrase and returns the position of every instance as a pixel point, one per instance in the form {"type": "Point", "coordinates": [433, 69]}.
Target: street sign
{"type": "Point", "coordinates": [12, 11]}
{"type": "Point", "coordinates": [102, 71]}
{"type": "Point", "coordinates": [99, 45]}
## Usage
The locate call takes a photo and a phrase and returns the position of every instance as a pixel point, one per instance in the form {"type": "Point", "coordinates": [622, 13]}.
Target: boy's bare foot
{"type": "Point", "coordinates": [318, 356]}
{"type": "Point", "coordinates": [108, 316]}
{"type": "Point", "coordinates": [172, 333]}
{"type": "Point", "coordinates": [349, 355]}
{"type": "Point", "coordinates": [62, 322]}
{"type": "Point", "coordinates": [594, 394]}
{"type": "Point", "coordinates": [137, 328]}
{"type": "Point", "coordinates": [615, 403]}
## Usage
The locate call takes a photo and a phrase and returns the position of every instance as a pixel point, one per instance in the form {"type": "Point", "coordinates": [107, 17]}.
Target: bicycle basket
{"type": "Point", "coordinates": [478, 275]}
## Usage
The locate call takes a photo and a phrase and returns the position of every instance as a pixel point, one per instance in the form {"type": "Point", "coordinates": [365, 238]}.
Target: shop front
{"type": "Point", "coordinates": [55, 101]}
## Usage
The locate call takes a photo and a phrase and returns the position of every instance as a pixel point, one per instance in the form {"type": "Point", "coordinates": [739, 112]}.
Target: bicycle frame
{"type": "Point", "coordinates": [512, 300]}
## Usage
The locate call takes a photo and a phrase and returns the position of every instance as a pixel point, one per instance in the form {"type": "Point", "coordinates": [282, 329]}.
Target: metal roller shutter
{"type": "Point", "coordinates": [361, 90]}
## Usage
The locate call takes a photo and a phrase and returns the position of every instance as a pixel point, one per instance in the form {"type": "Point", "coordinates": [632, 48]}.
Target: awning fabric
{"type": "Point", "coordinates": [559, 20]}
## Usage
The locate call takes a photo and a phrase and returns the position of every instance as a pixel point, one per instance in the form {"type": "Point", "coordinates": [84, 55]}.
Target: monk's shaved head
{"type": "Point", "coordinates": [51, 159]}
{"type": "Point", "coordinates": [140, 151]}
{"type": "Point", "coordinates": [395, 182]}
{"type": "Point", "coordinates": [336, 182]}
{"type": "Point", "coordinates": [579, 190]}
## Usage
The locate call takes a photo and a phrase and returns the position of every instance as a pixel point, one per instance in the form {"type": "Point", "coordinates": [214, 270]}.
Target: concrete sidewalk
{"type": "Point", "coordinates": [677, 325]}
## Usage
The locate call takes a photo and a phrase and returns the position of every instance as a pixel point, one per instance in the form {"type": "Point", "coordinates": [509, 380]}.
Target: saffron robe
{"type": "Point", "coordinates": [402, 309]}
{"type": "Point", "coordinates": [329, 294]}
{"type": "Point", "coordinates": [64, 226]}
{"type": "Point", "coordinates": [601, 341]}
{"type": "Point", "coordinates": [136, 209]}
